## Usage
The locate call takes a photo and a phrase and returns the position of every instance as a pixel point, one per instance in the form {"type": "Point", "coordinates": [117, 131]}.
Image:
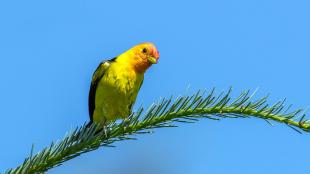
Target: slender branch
{"type": "Point", "coordinates": [187, 109]}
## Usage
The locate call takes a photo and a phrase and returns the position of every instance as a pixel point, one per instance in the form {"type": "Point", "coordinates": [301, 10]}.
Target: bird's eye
{"type": "Point", "coordinates": [144, 50]}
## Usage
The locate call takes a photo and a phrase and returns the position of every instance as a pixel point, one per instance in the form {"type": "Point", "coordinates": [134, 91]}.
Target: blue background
{"type": "Point", "coordinates": [49, 50]}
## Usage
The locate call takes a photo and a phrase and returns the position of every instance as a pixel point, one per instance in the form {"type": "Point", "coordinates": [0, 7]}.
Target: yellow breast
{"type": "Point", "coordinates": [116, 93]}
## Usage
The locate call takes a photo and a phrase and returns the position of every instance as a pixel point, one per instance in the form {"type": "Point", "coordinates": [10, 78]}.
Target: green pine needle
{"type": "Point", "coordinates": [185, 109]}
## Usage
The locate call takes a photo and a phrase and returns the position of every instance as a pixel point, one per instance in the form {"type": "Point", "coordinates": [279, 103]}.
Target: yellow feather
{"type": "Point", "coordinates": [116, 83]}
{"type": "Point", "coordinates": [117, 90]}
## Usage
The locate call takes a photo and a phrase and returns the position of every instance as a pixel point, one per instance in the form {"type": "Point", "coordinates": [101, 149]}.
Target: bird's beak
{"type": "Point", "coordinates": [152, 60]}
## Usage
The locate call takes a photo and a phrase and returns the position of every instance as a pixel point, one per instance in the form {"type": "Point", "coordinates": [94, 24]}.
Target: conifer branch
{"type": "Point", "coordinates": [186, 109]}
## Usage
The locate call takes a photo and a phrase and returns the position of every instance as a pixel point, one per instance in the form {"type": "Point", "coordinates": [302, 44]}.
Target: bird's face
{"type": "Point", "coordinates": [146, 54]}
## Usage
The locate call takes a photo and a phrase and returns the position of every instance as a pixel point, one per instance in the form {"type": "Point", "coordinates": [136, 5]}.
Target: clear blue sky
{"type": "Point", "coordinates": [49, 49]}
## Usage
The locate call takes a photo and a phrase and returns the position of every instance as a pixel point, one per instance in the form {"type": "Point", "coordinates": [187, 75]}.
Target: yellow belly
{"type": "Point", "coordinates": [115, 94]}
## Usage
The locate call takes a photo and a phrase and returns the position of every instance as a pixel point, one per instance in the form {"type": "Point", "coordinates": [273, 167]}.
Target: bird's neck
{"type": "Point", "coordinates": [141, 67]}
{"type": "Point", "coordinates": [138, 65]}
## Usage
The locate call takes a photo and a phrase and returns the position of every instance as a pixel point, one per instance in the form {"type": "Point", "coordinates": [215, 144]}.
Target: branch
{"type": "Point", "coordinates": [186, 109]}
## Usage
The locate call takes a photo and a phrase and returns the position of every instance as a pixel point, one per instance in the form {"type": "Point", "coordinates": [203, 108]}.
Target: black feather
{"type": "Point", "coordinates": [93, 88]}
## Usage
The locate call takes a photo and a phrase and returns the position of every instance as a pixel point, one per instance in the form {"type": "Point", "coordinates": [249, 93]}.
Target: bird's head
{"type": "Point", "coordinates": [144, 55]}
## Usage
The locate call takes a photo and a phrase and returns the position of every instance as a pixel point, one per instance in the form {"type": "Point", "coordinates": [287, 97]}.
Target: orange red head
{"type": "Point", "coordinates": [145, 54]}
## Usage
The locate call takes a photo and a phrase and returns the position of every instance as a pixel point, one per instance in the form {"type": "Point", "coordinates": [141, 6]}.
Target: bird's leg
{"type": "Point", "coordinates": [105, 127]}
{"type": "Point", "coordinates": [105, 130]}
{"type": "Point", "coordinates": [126, 121]}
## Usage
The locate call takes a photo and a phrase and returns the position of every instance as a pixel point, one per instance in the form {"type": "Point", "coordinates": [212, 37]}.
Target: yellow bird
{"type": "Point", "coordinates": [116, 83]}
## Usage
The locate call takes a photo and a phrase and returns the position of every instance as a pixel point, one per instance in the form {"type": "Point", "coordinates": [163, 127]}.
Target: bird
{"type": "Point", "coordinates": [116, 82]}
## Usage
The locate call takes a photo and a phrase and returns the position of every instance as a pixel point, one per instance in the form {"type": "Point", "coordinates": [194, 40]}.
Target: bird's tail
{"type": "Point", "coordinates": [89, 124]}
{"type": "Point", "coordinates": [99, 128]}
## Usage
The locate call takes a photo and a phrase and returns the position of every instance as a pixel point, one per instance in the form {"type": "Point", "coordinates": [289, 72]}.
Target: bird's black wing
{"type": "Point", "coordinates": [98, 74]}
